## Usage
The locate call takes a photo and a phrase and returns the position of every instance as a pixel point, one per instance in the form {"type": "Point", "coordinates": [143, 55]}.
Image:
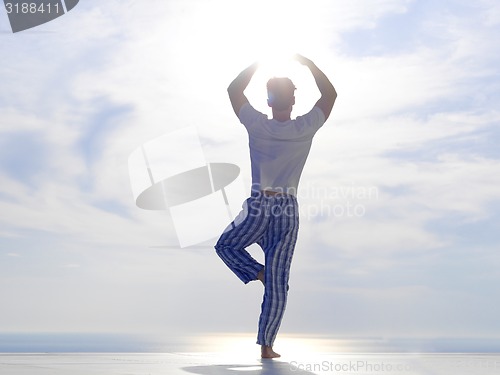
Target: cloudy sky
{"type": "Point", "coordinates": [400, 197]}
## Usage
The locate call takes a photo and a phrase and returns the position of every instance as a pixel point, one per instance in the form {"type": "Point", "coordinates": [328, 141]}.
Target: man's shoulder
{"type": "Point", "coordinates": [308, 124]}
{"type": "Point", "coordinates": [248, 115]}
{"type": "Point", "coordinates": [314, 117]}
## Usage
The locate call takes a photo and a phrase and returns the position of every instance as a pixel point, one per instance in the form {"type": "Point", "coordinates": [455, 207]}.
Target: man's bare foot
{"type": "Point", "coordinates": [268, 352]}
{"type": "Point", "coordinates": [260, 276]}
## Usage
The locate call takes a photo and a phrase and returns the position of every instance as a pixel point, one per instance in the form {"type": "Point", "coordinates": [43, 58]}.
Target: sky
{"type": "Point", "coordinates": [400, 205]}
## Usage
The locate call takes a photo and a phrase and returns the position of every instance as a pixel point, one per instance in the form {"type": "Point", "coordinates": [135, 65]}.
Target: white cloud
{"type": "Point", "coordinates": [358, 14]}
{"type": "Point", "coordinates": [71, 265]}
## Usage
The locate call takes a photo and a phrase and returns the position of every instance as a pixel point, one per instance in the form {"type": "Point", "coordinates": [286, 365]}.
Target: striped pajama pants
{"type": "Point", "coordinates": [272, 222]}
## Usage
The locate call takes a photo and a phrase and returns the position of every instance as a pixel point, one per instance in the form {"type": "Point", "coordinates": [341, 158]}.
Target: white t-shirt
{"type": "Point", "coordinates": [278, 150]}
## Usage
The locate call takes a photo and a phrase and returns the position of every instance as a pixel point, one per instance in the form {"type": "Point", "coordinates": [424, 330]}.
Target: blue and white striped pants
{"type": "Point", "coordinates": [273, 223]}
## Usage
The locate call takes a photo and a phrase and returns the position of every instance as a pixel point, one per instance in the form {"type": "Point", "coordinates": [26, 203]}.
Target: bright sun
{"type": "Point", "coordinates": [268, 31]}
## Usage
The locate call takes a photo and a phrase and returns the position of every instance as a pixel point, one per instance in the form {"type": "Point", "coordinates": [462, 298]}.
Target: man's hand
{"type": "Point", "coordinates": [302, 60]}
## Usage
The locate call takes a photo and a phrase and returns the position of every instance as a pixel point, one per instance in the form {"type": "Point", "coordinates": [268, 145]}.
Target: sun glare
{"type": "Point", "coordinates": [290, 346]}
{"type": "Point", "coordinates": [277, 65]}
{"type": "Point", "coordinates": [283, 66]}
{"type": "Point", "coordinates": [217, 45]}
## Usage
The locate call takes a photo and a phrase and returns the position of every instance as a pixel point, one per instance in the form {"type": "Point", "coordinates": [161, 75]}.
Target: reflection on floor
{"type": "Point", "coordinates": [238, 354]}
{"type": "Point", "coordinates": [219, 364]}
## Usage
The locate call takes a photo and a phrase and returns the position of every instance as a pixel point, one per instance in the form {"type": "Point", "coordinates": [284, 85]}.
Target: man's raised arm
{"type": "Point", "coordinates": [328, 93]}
{"type": "Point", "coordinates": [237, 87]}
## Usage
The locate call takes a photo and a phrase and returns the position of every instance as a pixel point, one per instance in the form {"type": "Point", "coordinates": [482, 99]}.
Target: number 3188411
{"type": "Point", "coordinates": [32, 8]}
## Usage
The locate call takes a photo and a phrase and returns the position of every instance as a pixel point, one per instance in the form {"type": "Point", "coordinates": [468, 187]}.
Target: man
{"type": "Point", "coordinates": [278, 152]}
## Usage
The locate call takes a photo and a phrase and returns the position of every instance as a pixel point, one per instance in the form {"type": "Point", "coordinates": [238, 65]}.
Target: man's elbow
{"type": "Point", "coordinates": [232, 93]}
{"type": "Point", "coordinates": [330, 95]}
{"type": "Point", "coordinates": [332, 91]}
{"type": "Point", "coordinates": [233, 88]}
{"type": "Point", "coordinates": [328, 91]}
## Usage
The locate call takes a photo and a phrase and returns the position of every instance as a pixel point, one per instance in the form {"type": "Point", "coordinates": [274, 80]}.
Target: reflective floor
{"type": "Point", "coordinates": [237, 354]}
{"type": "Point", "coordinates": [219, 364]}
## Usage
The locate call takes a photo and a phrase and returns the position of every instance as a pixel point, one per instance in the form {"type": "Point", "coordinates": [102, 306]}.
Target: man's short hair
{"type": "Point", "coordinates": [280, 93]}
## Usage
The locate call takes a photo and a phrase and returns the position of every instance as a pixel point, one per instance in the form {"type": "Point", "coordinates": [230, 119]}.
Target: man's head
{"type": "Point", "coordinates": [280, 93]}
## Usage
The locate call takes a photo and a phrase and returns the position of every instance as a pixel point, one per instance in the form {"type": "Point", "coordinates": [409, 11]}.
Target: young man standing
{"type": "Point", "coordinates": [278, 151]}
